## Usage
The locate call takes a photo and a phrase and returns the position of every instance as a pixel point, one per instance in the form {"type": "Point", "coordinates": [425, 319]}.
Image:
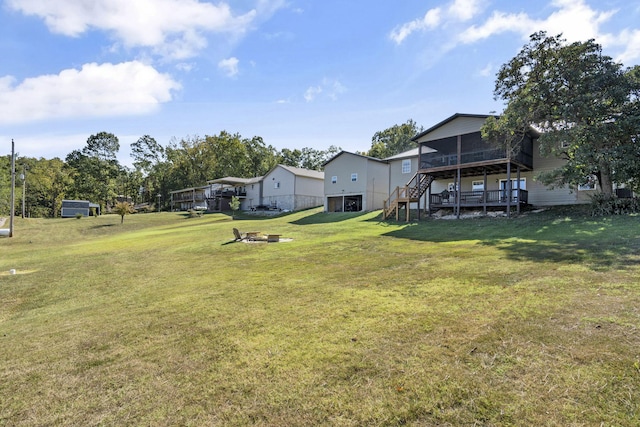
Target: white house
{"type": "Point", "coordinates": [290, 188]}
{"type": "Point", "coordinates": [282, 188]}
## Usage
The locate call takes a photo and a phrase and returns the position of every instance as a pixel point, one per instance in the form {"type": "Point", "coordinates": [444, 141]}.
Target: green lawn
{"type": "Point", "coordinates": [163, 320]}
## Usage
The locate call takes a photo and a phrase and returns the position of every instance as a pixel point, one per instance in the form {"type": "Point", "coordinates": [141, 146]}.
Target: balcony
{"type": "Point", "coordinates": [188, 197]}
{"type": "Point", "coordinates": [441, 158]}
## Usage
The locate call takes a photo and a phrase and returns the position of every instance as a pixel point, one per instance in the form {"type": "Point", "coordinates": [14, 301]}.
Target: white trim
{"type": "Point", "coordinates": [406, 166]}
{"type": "Point", "coordinates": [590, 185]}
{"type": "Point", "coordinates": [477, 185]}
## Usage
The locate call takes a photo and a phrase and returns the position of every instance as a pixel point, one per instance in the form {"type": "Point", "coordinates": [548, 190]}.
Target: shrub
{"type": "Point", "coordinates": [610, 204]}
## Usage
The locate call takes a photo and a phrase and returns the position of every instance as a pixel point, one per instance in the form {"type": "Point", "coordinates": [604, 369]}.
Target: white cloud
{"type": "Point", "coordinates": [331, 89]}
{"type": "Point", "coordinates": [229, 66]}
{"type": "Point", "coordinates": [576, 20]}
{"type": "Point", "coordinates": [457, 11]}
{"type": "Point", "coordinates": [430, 20]}
{"type": "Point", "coordinates": [629, 41]}
{"type": "Point", "coordinates": [95, 90]}
{"type": "Point", "coordinates": [499, 22]}
{"type": "Point", "coordinates": [185, 66]}
{"type": "Point", "coordinates": [311, 93]}
{"type": "Point", "coordinates": [464, 10]}
{"type": "Point", "coordinates": [171, 28]}
{"type": "Point", "coordinates": [486, 71]}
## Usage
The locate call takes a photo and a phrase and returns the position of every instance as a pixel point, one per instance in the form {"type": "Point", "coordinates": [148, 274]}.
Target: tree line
{"type": "Point", "coordinates": [94, 172]}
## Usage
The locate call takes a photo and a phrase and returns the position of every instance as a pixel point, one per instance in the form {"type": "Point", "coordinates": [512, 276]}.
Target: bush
{"type": "Point", "coordinates": [605, 204]}
{"type": "Point", "coordinates": [79, 215]}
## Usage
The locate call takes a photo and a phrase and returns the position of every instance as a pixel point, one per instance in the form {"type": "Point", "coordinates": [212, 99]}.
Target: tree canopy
{"type": "Point", "coordinates": [394, 140]}
{"type": "Point", "coordinates": [94, 172]}
{"type": "Point", "coordinates": [584, 104]}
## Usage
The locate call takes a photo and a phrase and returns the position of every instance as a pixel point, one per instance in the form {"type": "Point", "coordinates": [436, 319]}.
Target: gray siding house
{"type": "Point", "coordinates": [354, 183]}
{"type": "Point", "coordinates": [457, 169]}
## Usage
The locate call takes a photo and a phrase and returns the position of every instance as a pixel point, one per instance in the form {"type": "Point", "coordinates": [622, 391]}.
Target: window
{"type": "Point", "coordinates": [477, 185]}
{"type": "Point", "coordinates": [276, 184]}
{"type": "Point", "coordinates": [590, 184]}
{"type": "Point", "coordinates": [406, 166]}
{"type": "Point", "coordinates": [334, 179]}
{"type": "Point", "coordinates": [354, 177]}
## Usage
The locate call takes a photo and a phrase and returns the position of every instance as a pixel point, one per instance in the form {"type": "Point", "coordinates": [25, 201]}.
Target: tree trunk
{"type": "Point", "coordinates": [606, 184]}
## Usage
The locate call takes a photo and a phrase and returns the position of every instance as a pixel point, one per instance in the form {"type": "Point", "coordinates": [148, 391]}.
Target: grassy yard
{"type": "Point", "coordinates": [355, 322]}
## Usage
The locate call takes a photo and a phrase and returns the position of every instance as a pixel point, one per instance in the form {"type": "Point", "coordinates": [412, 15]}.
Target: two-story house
{"type": "Point", "coordinates": [458, 169]}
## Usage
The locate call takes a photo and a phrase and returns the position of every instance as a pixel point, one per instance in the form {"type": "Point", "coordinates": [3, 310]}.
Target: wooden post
{"type": "Point", "coordinates": [13, 188]}
{"type": "Point", "coordinates": [427, 201]}
{"type": "Point", "coordinates": [484, 193]}
{"type": "Point", "coordinates": [458, 184]}
{"type": "Point", "coordinates": [508, 184]}
{"type": "Point", "coordinates": [418, 183]}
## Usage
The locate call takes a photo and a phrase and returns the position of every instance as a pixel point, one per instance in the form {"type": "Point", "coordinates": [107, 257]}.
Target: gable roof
{"type": "Point", "coordinates": [405, 155]}
{"type": "Point", "coordinates": [354, 154]}
{"type": "Point", "coordinates": [308, 173]}
{"type": "Point", "coordinates": [202, 187]}
{"type": "Point", "coordinates": [232, 180]}
{"type": "Point", "coordinates": [450, 119]}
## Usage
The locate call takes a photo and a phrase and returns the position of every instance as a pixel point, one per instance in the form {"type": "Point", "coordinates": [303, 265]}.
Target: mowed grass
{"type": "Point", "coordinates": [164, 321]}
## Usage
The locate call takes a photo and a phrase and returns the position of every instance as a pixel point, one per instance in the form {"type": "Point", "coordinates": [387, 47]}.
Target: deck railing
{"type": "Point", "coordinates": [479, 198]}
{"type": "Point", "coordinates": [198, 197]}
{"type": "Point", "coordinates": [438, 160]}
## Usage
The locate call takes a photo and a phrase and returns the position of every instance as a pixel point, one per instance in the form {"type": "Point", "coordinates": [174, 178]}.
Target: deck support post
{"type": "Point", "coordinates": [508, 185]}
{"type": "Point", "coordinates": [418, 184]}
{"type": "Point", "coordinates": [427, 201]}
{"type": "Point", "coordinates": [518, 187]}
{"type": "Point", "coordinates": [484, 193]}
{"type": "Point", "coordinates": [457, 184]}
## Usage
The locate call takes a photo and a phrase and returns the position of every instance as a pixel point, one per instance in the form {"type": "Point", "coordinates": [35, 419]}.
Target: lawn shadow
{"type": "Point", "coordinates": [594, 243]}
{"type": "Point", "coordinates": [96, 227]}
{"type": "Point", "coordinates": [328, 217]}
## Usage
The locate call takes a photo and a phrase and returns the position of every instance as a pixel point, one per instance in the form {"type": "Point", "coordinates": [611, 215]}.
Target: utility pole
{"type": "Point", "coordinates": [13, 188]}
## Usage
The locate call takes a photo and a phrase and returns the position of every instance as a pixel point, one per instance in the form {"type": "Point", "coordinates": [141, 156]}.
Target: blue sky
{"type": "Point", "coordinates": [298, 73]}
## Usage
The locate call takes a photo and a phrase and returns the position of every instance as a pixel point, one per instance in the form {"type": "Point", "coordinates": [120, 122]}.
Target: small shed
{"type": "Point", "coordinates": [71, 208]}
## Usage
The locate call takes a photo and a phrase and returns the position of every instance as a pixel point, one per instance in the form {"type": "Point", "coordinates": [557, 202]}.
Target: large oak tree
{"type": "Point", "coordinates": [584, 104]}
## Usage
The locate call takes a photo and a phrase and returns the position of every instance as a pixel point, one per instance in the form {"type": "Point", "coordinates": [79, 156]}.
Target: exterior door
{"type": "Point", "coordinates": [514, 191]}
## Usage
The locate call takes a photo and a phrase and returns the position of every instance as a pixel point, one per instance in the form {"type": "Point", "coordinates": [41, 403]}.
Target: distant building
{"type": "Point", "coordinates": [283, 188]}
{"type": "Point", "coordinates": [71, 208]}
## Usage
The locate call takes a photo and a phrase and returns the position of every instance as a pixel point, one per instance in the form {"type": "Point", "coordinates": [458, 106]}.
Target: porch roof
{"type": "Point", "coordinates": [475, 169]}
{"type": "Point", "coordinates": [232, 180]}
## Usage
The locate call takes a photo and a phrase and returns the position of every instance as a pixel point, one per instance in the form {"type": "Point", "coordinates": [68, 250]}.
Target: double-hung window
{"type": "Point", "coordinates": [406, 166]}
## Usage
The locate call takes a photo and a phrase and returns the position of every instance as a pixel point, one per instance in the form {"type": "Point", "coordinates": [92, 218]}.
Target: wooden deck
{"type": "Point", "coordinates": [479, 199]}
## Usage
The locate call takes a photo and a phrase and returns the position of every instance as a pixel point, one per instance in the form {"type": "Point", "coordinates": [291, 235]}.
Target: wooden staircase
{"type": "Point", "coordinates": [404, 196]}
